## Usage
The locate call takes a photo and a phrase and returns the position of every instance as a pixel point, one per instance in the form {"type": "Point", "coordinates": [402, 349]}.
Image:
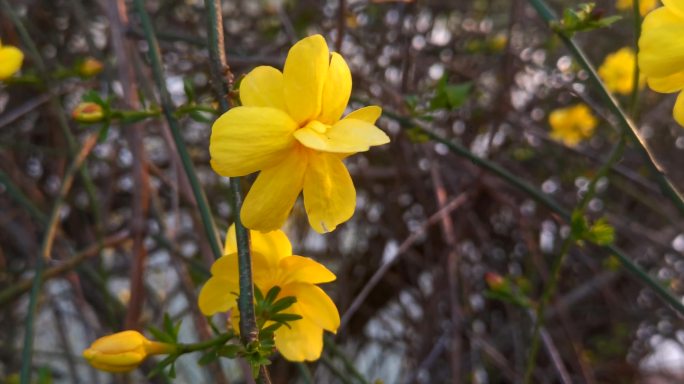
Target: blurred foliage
{"type": "Point", "coordinates": [483, 74]}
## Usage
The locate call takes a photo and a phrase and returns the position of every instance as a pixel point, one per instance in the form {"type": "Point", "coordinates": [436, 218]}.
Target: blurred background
{"type": "Point", "coordinates": [434, 238]}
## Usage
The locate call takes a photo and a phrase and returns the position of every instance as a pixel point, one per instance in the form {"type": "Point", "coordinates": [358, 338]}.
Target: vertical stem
{"type": "Point", "coordinates": [222, 82]}
{"type": "Point", "coordinates": [167, 108]}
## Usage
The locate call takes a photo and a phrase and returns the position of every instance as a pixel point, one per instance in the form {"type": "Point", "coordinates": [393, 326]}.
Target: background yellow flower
{"type": "Point", "coordinates": [573, 124]}
{"type": "Point", "coordinates": [11, 59]}
{"type": "Point", "coordinates": [289, 128]}
{"type": "Point", "coordinates": [617, 71]}
{"type": "Point", "coordinates": [274, 265]}
{"type": "Point", "coordinates": [644, 5]}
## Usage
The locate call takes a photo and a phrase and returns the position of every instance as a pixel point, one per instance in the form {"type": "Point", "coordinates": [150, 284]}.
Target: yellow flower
{"type": "Point", "coordinates": [88, 112]}
{"type": "Point", "coordinates": [123, 351]}
{"type": "Point", "coordinates": [274, 265]}
{"type": "Point", "coordinates": [617, 71]}
{"type": "Point", "coordinates": [289, 128]}
{"type": "Point", "coordinates": [572, 125]}
{"type": "Point", "coordinates": [661, 52]}
{"type": "Point", "coordinates": [10, 61]}
{"type": "Point", "coordinates": [644, 5]}
{"type": "Point", "coordinates": [90, 67]}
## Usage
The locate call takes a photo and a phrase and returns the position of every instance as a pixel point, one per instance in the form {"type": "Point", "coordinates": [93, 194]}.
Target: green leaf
{"type": "Point", "coordinates": [272, 294]}
{"type": "Point", "coordinates": [189, 90]}
{"type": "Point", "coordinates": [449, 96]}
{"type": "Point", "coordinates": [159, 368]}
{"type": "Point", "coordinates": [230, 350]}
{"type": "Point", "coordinates": [160, 335]}
{"type": "Point", "coordinates": [208, 358]}
{"type": "Point", "coordinates": [282, 304]}
{"type": "Point", "coordinates": [601, 233]}
{"type": "Point", "coordinates": [457, 94]}
{"type": "Point", "coordinates": [584, 17]}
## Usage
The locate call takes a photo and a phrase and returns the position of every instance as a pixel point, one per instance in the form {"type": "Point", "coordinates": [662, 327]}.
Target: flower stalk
{"type": "Point", "coordinates": [249, 332]}
{"type": "Point", "coordinates": [167, 109]}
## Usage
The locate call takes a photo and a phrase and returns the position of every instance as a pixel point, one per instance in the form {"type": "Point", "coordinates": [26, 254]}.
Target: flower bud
{"type": "Point", "coordinates": [123, 351]}
{"type": "Point", "coordinates": [494, 280]}
{"type": "Point", "coordinates": [88, 112]}
{"type": "Point", "coordinates": [90, 67]}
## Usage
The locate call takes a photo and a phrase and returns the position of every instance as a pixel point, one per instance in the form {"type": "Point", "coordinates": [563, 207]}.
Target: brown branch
{"type": "Point", "coordinates": [116, 12]}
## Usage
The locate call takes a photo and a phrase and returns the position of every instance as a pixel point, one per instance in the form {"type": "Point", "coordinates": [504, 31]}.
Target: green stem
{"type": "Point", "coordinates": [20, 198]}
{"type": "Point", "coordinates": [543, 199]}
{"type": "Point", "coordinates": [217, 341]}
{"type": "Point", "coordinates": [220, 73]}
{"type": "Point", "coordinates": [550, 290]}
{"type": "Point", "coordinates": [248, 328]}
{"type": "Point", "coordinates": [167, 107]}
{"type": "Point", "coordinates": [626, 125]}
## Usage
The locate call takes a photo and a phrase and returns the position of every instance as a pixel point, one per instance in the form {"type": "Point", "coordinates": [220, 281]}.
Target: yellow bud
{"type": "Point", "coordinates": [90, 67]}
{"type": "Point", "coordinates": [123, 351]}
{"type": "Point", "coordinates": [87, 112]}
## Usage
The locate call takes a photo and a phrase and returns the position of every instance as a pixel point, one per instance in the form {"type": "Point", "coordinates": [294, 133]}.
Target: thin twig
{"type": "Point", "coordinates": [46, 248]}
{"type": "Point", "coordinates": [457, 202]}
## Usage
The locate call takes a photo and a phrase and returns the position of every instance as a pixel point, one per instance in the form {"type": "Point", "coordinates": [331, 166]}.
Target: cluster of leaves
{"type": "Point", "coordinates": [269, 315]}
{"type": "Point", "coordinates": [600, 232]}
{"type": "Point", "coordinates": [584, 17]}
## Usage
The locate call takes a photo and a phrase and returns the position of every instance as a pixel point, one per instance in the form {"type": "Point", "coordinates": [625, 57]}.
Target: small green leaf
{"type": "Point", "coordinates": [282, 304]}
{"type": "Point", "coordinates": [230, 350]}
{"type": "Point", "coordinates": [272, 294]}
{"type": "Point", "coordinates": [160, 335]}
{"type": "Point", "coordinates": [584, 17]}
{"type": "Point", "coordinates": [208, 358]}
{"type": "Point", "coordinates": [189, 90]}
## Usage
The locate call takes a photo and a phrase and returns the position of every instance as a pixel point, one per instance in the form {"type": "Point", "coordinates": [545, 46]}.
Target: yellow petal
{"type": "Point", "coordinates": [247, 139]}
{"type": "Point", "coordinates": [329, 194]}
{"type": "Point", "coordinates": [263, 87]}
{"type": "Point", "coordinates": [304, 270]}
{"type": "Point", "coordinates": [218, 295]}
{"type": "Point", "coordinates": [118, 342]}
{"type": "Point", "coordinates": [274, 192]}
{"type": "Point", "coordinates": [304, 75]}
{"type": "Point", "coordinates": [313, 304]}
{"type": "Point", "coordinates": [676, 6]}
{"type": "Point", "coordinates": [267, 243]}
{"type": "Point", "coordinates": [678, 112]}
{"type": "Point", "coordinates": [368, 114]}
{"type": "Point", "coordinates": [336, 91]}
{"type": "Point", "coordinates": [112, 368]}
{"type": "Point", "coordinates": [226, 266]}
{"type": "Point", "coordinates": [10, 61]}
{"type": "Point", "coordinates": [301, 341]}
{"type": "Point", "coordinates": [265, 270]}
{"type": "Point", "coordinates": [661, 47]}
{"type": "Point", "coordinates": [667, 84]}
{"type": "Point", "coordinates": [347, 135]}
